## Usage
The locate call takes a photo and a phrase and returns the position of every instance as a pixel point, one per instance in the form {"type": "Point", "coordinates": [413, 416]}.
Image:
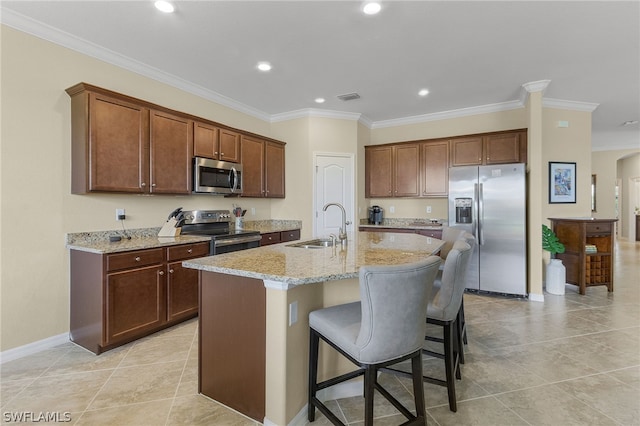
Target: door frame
{"type": "Point", "coordinates": [316, 208]}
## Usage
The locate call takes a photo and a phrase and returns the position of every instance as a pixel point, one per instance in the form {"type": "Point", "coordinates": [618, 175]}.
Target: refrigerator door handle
{"type": "Point", "coordinates": [474, 218]}
{"type": "Point", "coordinates": [480, 218]}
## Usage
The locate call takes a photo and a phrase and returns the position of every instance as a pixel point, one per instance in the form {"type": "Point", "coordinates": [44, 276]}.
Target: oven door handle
{"type": "Point", "coordinates": [239, 240]}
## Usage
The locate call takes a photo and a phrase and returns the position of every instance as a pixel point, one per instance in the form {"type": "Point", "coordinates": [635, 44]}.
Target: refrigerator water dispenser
{"type": "Point", "coordinates": [463, 210]}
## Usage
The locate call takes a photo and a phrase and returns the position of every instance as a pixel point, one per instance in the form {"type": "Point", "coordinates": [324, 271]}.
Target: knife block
{"type": "Point", "coordinates": [169, 229]}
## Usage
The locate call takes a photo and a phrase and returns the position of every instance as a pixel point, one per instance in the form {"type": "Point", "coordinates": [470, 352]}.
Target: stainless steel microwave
{"type": "Point", "coordinates": [216, 177]}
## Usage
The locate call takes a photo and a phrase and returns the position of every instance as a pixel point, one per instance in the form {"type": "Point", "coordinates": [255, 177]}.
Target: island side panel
{"type": "Point", "coordinates": [232, 342]}
{"type": "Point", "coordinates": [86, 300]}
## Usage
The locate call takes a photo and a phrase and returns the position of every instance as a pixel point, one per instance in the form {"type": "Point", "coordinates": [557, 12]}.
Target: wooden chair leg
{"type": "Point", "coordinates": [418, 390]}
{"type": "Point", "coordinates": [449, 364]}
{"type": "Point", "coordinates": [314, 342]}
{"type": "Point", "coordinates": [369, 387]}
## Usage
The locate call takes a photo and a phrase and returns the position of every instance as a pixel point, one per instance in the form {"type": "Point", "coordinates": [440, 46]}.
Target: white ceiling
{"type": "Point", "coordinates": [472, 55]}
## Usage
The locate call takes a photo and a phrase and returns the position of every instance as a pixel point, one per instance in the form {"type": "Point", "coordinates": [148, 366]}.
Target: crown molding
{"type": "Point", "coordinates": [316, 113]}
{"type": "Point", "coordinates": [536, 86]}
{"type": "Point", "coordinates": [571, 105]}
{"type": "Point", "coordinates": [51, 34]}
{"type": "Point", "coordinates": [48, 33]}
{"type": "Point", "coordinates": [445, 115]}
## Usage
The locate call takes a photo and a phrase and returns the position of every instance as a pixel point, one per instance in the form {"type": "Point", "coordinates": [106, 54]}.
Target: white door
{"type": "Point", "coordinates": [334, 183]}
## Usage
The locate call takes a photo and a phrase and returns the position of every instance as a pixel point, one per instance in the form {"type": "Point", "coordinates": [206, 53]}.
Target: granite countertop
{"type": "Point", "coordinates": [293, 266]}
{"type": "Point", "coordinates": [144, 238]}
{"type": "Point", "coordinates": [274, 225]}
{"type": "Point", "coordinates": [430, 224]}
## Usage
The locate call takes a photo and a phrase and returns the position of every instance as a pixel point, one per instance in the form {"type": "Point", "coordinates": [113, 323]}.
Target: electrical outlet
{"type": "Point", "coordinates": [293, 313]}
{"type": "Point", "coordinates": [428, 209]}
{"type": "Point", "coordinates": [253, 211]}
{"type": "Point", "coordinates": [392, 209]}
{"type": "Point", "coordinates": [120, 214]}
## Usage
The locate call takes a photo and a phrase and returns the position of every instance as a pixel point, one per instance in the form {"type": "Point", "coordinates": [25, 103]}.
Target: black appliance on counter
{"type": "Point", "coordinates": [216, 224]}
{"type": "Point", "coordinates": [376, 215]}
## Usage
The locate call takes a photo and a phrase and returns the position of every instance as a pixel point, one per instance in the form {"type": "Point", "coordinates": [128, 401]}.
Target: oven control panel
{"type": "Point", "coordinates": [206, 216]}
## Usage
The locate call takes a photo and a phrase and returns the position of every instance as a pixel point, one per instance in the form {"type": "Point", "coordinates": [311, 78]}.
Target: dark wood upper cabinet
{"type": "Point", "coordinates": [434, 168]}
{"type": "Point", "coordinates": [263, 165]}
{"type": "Point", "coordinates": [216, 143]}
{"type": "Point", "coordinates": [495, 148]}
{"type": "Point", "coordinates": [378, 171]}
{"type": "Point", "coordinates": [124, 144]}
{"type": "Point", "coordinates": [171, 152]}
{"type": "Point", "coordinates": [110, 144]}
{"type": "Point", "coordinates": [421, 168]}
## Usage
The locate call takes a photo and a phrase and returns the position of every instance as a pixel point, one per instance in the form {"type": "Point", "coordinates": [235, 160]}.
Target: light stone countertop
{"type": "Point", "coordinates": [427, 224]}
{"type": "Point", "coordinates": [296, 266]}
{"type": "Point", "coordinates": [144, 238]}
{"type": "Point", "coordinates": [273, 225]}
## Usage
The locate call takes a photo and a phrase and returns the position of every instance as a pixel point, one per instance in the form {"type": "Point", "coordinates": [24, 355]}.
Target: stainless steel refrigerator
{"type": "Point", "coordinates": [491, 203]}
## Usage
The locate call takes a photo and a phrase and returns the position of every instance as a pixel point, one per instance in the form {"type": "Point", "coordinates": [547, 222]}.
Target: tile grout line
{"type": "Point", "coordinates": [184, 367]}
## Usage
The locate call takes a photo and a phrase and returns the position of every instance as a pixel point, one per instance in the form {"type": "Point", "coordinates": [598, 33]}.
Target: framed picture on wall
{"type": "Point", "coordinates": [562, 182]}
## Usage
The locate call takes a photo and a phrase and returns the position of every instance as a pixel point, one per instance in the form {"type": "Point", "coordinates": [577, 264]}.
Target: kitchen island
{"type": "Point", "coordinates": [253, 323]}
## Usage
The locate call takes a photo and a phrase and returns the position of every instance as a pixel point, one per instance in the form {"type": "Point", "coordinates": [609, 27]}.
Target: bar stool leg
{"type": "Point", "coordinates": [314, 343]}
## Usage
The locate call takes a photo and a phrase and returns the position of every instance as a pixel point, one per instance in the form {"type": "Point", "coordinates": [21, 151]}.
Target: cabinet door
{"type": "Point", "coordinates": [407, 170]}
{"type": "Point", "coordinates": [118, 145]}
{"type": "Point", "coordinates": [274, 170]}
{"type": "Point", "coordinates": [229, 146]}
{"type": "Point", "coordinates": [252, 154]}
{"type": "Point", "coordinates": [171, 153]}
{"type": "Point", "coordinates": [290, 235]}
{"type": "Point", "coordinates": [182, 292]}
{"type": "Point", "coordinates": [205, 140]}
{"type": "Point", "coordinates": [502, 148]}
{"type": "Point", "coordinates": [378, 171]}
{"type": "Point", "coordinates": [466, 151]}
{"type": "Point", "coordinates": [435, 169]}
{"type": "Point", "coordinates": [135, 302]}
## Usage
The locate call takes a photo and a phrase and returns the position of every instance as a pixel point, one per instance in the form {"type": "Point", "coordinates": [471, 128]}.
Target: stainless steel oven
{"type": "Point", "coordinates": [216, 223]}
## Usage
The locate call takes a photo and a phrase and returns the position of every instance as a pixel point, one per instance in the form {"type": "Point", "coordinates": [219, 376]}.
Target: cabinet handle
{"type": "Point", "coordinates": [216, 152]}
{"type": "Point", "coordinates": [153, 185]}
{"type": "Point", "coordinates": [137, 258]}
{"type": "Point", "coordinates": [170, 271]}
{"type": "Point", "coordinates": [190, 251]}
{"type": "Point", "coordinates": [161, 273]}
{"type": "Point", "coordinates": [143, 184]}
{"type": "Point", "coordinates": [222, 153]}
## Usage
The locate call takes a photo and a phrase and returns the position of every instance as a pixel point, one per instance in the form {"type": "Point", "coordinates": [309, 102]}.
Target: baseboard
{"type": "Point", "coordinates": [33, 348]}
{"type": "Point", "coordinates": [536, 297]}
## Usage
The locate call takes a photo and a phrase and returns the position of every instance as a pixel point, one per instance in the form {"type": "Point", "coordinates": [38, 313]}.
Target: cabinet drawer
{"type": "Point", "coordinates": [598, 228]}
{"type": "Point", "coordinates": [290, 235]}
{"type": "Point", "coordinates": [271, 238]}
{"type": "Point", "coordinates": [134, 259]}
{"type": "Point", "coordinates": [187, 251]}
{"type": "Point", "coordinates": [433, 233]}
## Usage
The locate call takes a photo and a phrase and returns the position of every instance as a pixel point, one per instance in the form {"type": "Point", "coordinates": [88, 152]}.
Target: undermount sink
{"type": "Point", "coordinates": [317, 243]}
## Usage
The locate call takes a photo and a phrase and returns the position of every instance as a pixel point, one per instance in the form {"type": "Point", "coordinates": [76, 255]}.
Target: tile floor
{"type": "Point", "coordinates": [572, 360]}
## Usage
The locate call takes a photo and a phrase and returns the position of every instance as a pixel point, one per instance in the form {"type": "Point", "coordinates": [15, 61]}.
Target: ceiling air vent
{"type": "Point", "coordinates": [349, 96]}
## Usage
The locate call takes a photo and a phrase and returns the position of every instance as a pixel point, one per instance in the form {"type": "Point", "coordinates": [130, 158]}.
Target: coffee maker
{"type": "Point", "coordinates": [376, 215]}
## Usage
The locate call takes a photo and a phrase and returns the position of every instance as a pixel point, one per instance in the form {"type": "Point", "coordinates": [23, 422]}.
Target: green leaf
{"type": "Point", "coordinates": [550, 241]}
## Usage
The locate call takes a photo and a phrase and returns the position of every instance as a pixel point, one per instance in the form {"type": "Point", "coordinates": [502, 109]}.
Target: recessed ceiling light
{"type": "Point", "coordinates": [319, 100]}
{"type": "Point", "coordinates": [264, 66]}
{"type": "Point", "coordinates": [423, 92]}
{"type": "Point", "coordinates": [164, 6]}
{"type": "Point", "coordinates": [371, 8]}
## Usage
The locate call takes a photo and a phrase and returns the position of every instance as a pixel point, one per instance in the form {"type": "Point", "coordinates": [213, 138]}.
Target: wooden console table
{"type": "Point", "coordinates": [586, 268]}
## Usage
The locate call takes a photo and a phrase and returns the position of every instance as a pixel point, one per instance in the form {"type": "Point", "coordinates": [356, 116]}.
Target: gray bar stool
{"type": "Point", "coordinates": [387, 326]}
{"type": "Point", "coordinates": [443, 310]}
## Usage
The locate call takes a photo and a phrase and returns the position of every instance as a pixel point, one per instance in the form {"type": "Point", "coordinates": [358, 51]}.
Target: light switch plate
{"type": "Point", "coordinates": [293, 313]}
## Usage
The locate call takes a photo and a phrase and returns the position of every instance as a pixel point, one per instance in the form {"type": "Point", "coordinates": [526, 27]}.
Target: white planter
{"type": "Point", "coordinates": [556, 277]}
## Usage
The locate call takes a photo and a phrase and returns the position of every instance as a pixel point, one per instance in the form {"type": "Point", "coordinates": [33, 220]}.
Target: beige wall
{"type": "Point", "coordinates": [37, 206]}
{"type": "Point", "coordinates": [609, 166]}
{"type": "Point", "coordinates": [38, 209]}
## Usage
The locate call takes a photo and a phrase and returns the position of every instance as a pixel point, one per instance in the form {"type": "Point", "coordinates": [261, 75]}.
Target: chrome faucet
{"type": "Point", "coordinates": [342, 236]}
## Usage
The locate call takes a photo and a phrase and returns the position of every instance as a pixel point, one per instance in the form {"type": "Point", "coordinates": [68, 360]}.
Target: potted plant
{"type": "Point", "coordinates": [556, 272]}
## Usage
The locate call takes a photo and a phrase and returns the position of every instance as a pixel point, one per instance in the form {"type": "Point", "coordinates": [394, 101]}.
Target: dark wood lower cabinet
{"type": "Point", "coordinates": [232, 342]}
{"type": "Point", "coordinates": [119, 297]}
